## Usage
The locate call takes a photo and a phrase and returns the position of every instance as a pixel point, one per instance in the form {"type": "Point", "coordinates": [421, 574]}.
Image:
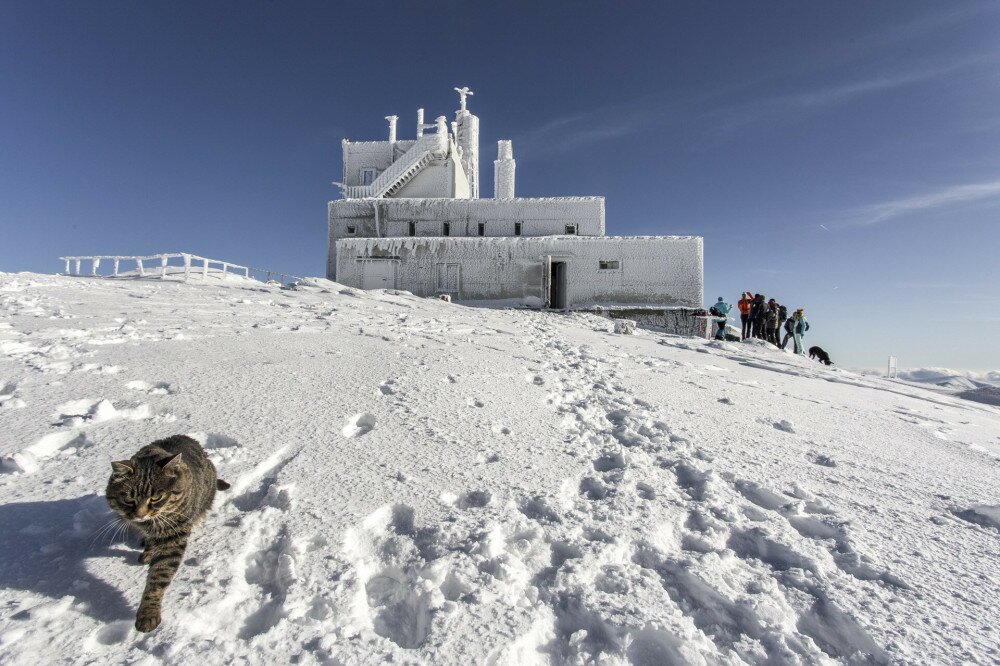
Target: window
{"type": "Point", "coordinates": [570, 229]}
{"type": "Point", "coordinates": [609, 264]}
{"type": "Point", "coordinates": [351, 229]}
{"type": "Point", "coordinates": [447, 278]}
{"type": "Point", "coordinates": [517, 228]}
{"type": "Point", "coordinates": [413, 229]}
{"type": "Point", "coordinates": [446, 229]}
{"type": "Point", "coordinates": [482, 228]}
{"type": "Point", "coordinates": [367, 176]}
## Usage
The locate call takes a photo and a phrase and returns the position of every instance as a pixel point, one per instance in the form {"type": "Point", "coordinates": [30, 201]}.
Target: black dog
{"type": "Point", "coordinates": [817, 352]}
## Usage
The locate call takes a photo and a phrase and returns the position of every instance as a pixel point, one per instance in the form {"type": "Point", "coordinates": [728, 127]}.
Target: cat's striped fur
{"type": "Point", "coordinates": [161, 492]}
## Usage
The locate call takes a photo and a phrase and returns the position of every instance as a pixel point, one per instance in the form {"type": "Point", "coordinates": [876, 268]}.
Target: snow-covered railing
{"type": "Point", "coordinates": [427, 147]}
{"type": "Point", "coordinates": [159, 263]}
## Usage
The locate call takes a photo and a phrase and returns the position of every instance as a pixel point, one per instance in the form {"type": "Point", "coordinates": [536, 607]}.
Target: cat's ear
{"type": "Point", "coordinates": [122, 468]}
{"type": "Point", "coordinates": [171, 464]}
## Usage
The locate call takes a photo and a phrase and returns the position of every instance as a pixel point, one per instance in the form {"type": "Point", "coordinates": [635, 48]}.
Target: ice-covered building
{"type": "Point", "coordinates": [411, 218]}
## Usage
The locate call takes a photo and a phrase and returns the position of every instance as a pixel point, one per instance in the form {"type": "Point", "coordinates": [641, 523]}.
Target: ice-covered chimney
{"type": "Point", "coordinates": [503, 170]}
{"type": "Point", "coordinates": [392, 128]}
{"type": "Point", "coordinates": [420, 123]}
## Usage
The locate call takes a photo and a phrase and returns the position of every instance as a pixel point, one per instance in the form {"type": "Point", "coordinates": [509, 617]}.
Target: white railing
{"type": "Point", "coordinates": [161, 262]}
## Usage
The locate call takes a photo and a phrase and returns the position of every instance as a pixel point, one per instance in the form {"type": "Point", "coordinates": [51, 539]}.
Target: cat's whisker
{"type": "Point", "coordinates": [101, 532]}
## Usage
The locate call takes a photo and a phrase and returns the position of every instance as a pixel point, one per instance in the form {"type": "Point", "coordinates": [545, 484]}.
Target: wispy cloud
{"type": "Point", "coordinates": [954, 195]}
{"type": "Point", "coordinates": [719, 112]}
{"type": "Point", "coordinates": [821, 98]}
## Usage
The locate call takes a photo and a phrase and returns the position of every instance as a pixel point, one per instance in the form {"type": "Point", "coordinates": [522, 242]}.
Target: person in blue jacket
{"type": "Point", "coordinates": [799, 328]}
{"type": "Point", "coordinates": [721, 310]}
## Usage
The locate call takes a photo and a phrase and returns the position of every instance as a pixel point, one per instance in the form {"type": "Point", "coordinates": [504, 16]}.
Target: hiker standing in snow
{"type": "Point", "coordinates": [758, 312]}
{"type": "Point", "coordinates": [789, 323]}
{"type": "Point", "coordinates": [744, 305]}
{"type": "Point", "coordinates": [761, 322]}
{"type": "Point", "coordinates": [721, 310]}
{"type": "Point", "coordinates": [799, 328]}
{"type": "Point", "coordinates": [772, 322]}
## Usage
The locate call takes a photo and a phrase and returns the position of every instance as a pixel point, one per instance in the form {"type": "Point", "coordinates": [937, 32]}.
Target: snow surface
{"type": "Point", "coordinates": [416, 481]}
{"type": "Point", "coordinates": [981, 387]}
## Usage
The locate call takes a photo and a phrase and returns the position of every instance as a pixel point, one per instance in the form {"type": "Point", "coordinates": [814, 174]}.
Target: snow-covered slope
{"type": "Point", "coordinates": [977, 386]}
{"type": "Point", "coordinates": [419, 482]}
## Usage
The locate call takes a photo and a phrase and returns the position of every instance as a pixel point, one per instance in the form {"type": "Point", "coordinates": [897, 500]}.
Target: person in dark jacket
{"type": "Point", "coordinates": [773, 322]}
{"type": "Point", "coordinates": [788, 332]}
{"type": "Point", "coordinates": [759, 314]}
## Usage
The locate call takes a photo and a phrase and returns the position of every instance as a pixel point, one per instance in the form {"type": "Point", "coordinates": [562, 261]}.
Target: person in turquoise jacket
{"type": "Point", "coordinates": [721, 310]}
{"type": "Point", "coordinates": [799, 328]}
{"type": "Point", "coordinates": [722, 307]}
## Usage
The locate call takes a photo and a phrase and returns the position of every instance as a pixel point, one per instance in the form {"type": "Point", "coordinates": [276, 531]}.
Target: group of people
{"type": "Point", "coordinates": [763, 320]}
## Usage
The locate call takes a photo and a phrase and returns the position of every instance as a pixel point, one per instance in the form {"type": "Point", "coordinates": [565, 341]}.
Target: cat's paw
{"type": "Point", "coordinates": [147, 619]}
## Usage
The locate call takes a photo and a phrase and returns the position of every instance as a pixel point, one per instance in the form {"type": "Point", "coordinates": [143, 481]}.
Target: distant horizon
{"type": "Point", "coordinates": [843, 158]}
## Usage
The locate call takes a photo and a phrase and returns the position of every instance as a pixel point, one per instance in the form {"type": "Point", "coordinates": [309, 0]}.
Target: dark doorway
{"type": "Point", "coordinates": [557, 285]}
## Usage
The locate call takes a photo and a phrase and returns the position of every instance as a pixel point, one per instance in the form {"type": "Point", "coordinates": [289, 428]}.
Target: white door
{"type": "Point", "coordinates": [447, 278]}
{"type": "Point", "coordinates": [378, 275]}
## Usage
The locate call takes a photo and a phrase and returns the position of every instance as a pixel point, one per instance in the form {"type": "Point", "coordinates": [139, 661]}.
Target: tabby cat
{"type": "Point", "coordinates": [161, 492]}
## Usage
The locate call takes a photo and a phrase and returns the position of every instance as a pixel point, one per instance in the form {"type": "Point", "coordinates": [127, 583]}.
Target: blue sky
{"type": "Point", "coordinates": [843, 157]}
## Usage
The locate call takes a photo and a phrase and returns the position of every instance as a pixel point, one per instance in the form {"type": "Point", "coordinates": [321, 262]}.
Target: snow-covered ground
{"type": "Point", "coordinates": [978, 386]}
{"type": "Point", "coordinates": [421, 482]}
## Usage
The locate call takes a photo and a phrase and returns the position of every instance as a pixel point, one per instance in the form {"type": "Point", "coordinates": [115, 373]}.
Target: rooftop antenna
{"type": "Point", "coordinates": [463, 92]}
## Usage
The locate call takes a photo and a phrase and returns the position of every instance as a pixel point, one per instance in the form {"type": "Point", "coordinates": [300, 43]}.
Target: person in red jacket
{"type": "Point", "coordinates": [744, 305]}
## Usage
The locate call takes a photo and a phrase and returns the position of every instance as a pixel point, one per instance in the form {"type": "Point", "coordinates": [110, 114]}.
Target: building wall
{"type": "Point", "coordinates": [443, 180]}
{"type": "Point", "coordinates": [663, 271]}
{"type": "Point", "coordinates": [370, 155]}
{"type": "Point", "coordinates": [539, 217]}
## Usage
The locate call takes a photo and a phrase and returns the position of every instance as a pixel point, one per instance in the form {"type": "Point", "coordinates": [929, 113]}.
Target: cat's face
{"type": "Point", "coordinates": [147, 490]}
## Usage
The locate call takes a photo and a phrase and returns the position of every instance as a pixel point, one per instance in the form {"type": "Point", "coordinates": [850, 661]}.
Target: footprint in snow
{"type": "Point", "coordinates": [358, 425]}
{"type": "Point", "coordinates": [785, 426]}
{"type": "Point", "coordinates": [8, 396]}
{"type": "Point", "coordinates": [157, 388]}
{"type": "Point", "coordinates": [820, 459]}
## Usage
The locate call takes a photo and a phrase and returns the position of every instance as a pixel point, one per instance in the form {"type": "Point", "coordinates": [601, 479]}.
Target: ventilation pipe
{"type": "Point", "coordinates": [392, 128]}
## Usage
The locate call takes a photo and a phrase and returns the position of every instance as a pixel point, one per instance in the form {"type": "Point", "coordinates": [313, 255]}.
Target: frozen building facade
{"type": "Point", "coordinates": [411, 218]}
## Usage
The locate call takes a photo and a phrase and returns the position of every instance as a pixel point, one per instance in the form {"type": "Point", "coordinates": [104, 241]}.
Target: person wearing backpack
{"type": "Point", "coordinates": [788, 332]}
{"type": "Point", "coordinates": [721, 311]}
{"type": "Point", "coordinates": [773, 323]}
{"type": "Point", "coordinates": [799, 329]}
{"type": "Point", "coordinates": [744, 305]}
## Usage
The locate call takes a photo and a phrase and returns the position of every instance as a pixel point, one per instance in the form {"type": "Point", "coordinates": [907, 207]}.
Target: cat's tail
{"type": "Point", "coordinates": [222, 485]}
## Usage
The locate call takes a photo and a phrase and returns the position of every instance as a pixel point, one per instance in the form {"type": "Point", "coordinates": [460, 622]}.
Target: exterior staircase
{"type": "Point", "coordinates": [428, 148]}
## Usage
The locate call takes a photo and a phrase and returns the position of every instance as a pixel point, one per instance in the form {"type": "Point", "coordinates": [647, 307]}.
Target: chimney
{"type": "Point", "coordinates": [503, 171]}
{"type": "Point", "coordinates": [392, 128]}
{"type": "Point", "coordinates": [420, 123]}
